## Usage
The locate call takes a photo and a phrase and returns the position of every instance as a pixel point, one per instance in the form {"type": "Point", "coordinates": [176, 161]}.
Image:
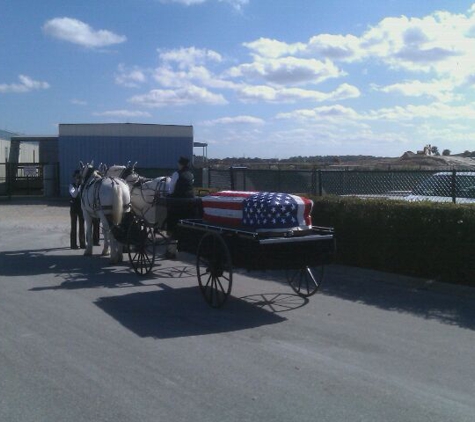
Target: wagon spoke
{"type": "Point", "coordinates": [211, 291]}
{"type": "Point", "coordinates": [209, 279]}
{"type": "Point", "coordinates": [214, 269]}
{"type": "Point", "coordinates": [148, 259]}
{"type": "Point", "coordinates": [220, 286]}
{"type": "Point", "coordinates": [305, 282]}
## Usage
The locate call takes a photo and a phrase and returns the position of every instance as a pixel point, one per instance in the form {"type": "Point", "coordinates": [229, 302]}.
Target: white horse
{"type": "Point", "coordinates": [145, 194]}
{"type": "Point", "coordinates": [106, 198]}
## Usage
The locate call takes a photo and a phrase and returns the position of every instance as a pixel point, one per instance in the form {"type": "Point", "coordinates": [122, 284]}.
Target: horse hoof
{"type": "Point", "coordinates": [105, 253]}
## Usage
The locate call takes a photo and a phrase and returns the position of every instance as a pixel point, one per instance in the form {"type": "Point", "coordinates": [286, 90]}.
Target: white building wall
{"type": "Point", "coordinates": [29, 152]}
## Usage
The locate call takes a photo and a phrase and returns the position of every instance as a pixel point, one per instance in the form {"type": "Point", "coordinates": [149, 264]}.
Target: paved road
{"type": "Point", "coordinates": [85, 341]}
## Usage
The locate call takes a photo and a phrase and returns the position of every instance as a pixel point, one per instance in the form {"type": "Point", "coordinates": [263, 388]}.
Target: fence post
{"type": "Point", "coordinates": [231, 173]}
{"type": "Point", "coordinates": [320, 183]}
{"type": "Point", "coordinates": [453, 186]}
{"type": "Point", "coordinates": [9, 179]}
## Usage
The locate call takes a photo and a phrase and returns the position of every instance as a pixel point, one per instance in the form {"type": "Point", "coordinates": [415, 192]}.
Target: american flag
{"type": "Point", "coordinates": [275, 211]}
{"type": "Point", "coordinates": [225, 207]}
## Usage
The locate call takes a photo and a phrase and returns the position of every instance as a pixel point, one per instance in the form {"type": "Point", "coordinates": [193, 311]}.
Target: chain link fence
{"type": "Point", "coordinates": [457, 186]}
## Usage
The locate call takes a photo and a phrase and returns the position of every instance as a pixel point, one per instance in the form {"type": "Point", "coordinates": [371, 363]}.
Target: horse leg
{"type": "Point", "coordinates": [88, 223]}
{"type": "Point", "coordinates": [119, 248]}
{"type": "Point", "coordinates": [113, 247]}
{"type": "Point", "coordinates": [106, 233]}
{"type": "Point", "coordinates": [116, 251]}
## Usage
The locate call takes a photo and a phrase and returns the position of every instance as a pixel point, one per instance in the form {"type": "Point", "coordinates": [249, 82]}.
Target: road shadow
{"type": "Point", "coordinates": [386, 291]}
{"type": "Point", "coordinates": [396, 293]}
{"type": "Point", "coordinates": [73, 269]}
{"type": "Point", "coordinates": [276, 302]}
{"type": "Point", "coordinates": [172, 313]}
{"type": "Point", "coordinates": [392, 292]}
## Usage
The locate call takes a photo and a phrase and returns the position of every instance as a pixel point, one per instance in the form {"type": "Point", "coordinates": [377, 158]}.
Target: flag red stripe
{"type": "Point", "coordinates": [223, 220]}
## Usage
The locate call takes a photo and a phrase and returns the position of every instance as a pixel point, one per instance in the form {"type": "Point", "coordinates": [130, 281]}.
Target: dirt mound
{"type": "Point", "coordinates": [409, 159]}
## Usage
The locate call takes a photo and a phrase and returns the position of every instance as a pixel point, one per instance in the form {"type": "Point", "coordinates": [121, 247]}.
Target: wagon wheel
{"type": "Point", "coordinates": [305, 281]}
{"type": "Point", "coordinates": [141, 247]}
{"type": "Point", "coordinates": [214, 269]}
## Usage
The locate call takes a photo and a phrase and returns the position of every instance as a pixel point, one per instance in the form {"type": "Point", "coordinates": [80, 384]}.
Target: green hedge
{"type": "Point", "coordinates": [414, 238]}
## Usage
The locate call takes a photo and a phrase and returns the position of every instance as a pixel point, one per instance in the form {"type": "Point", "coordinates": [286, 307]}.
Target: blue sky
{"type": "Point", "coordinates": [265, 78]}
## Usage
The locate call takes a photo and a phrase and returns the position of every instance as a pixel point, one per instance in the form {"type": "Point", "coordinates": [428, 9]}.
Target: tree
{"type": "Point", "coordinates": [435, 150]}
{"type": "Point", "coordinates": [446, 152]}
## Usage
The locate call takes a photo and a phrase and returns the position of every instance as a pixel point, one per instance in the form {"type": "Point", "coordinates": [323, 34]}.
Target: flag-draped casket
{"type": "Point", "coordinates": [260, 211]}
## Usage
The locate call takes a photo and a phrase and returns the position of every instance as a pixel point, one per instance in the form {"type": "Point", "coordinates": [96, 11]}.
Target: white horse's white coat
{"type": "Point", "coordinates": [106, 198]}
{"type": "Point", "coordinates": [144, 195]}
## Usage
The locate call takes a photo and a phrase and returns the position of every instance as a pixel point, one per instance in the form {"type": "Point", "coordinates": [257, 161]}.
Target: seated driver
{"type": "Point", "coordinates": [181, 183]}
{"type": "Point", "coordinates": [181, 187]}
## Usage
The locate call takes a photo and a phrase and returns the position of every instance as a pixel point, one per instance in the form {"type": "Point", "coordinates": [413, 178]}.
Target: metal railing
{"type": "Point", "coordinates": [29, 179]}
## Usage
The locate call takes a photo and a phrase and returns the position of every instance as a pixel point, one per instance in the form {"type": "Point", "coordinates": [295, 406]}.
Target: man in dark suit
{"type": "Point", "coordinates": [75, 211]}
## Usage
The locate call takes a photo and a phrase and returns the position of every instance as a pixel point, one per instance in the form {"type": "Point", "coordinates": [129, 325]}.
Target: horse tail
{"type": "Point", "coordinates": [117, 203]}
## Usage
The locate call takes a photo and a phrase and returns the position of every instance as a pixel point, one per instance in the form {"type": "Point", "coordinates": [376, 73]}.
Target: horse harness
{"type": "Point", "coordinates": [158, 191]}
{"type": "Point", "coordinates": [91, 181]}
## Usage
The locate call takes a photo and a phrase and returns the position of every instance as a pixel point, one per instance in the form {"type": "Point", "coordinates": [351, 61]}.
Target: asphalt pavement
{"type": "Point", "coordinates": [83, 340]}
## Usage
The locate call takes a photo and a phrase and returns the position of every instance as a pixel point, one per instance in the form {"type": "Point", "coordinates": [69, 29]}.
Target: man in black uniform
{"type": "Point", "coordinates": [181, 187]}
{"type": "Point", "coordinates": [181, 184]}
{"type": "Point", "coordinates": [75, 212]}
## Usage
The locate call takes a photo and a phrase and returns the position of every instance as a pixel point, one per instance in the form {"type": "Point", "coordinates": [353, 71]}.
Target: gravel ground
{"type": "Point", "coordinates": [35, 213]}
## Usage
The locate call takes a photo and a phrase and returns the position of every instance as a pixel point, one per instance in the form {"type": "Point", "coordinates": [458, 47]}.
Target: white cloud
{"type": "Point", "coordinates": [441, 90]}
{"type": "Point", "coordinates": [334, 47]}
{"type": "Point", "coordinates": [186, 67]}
{"type": "Point", "coordinates": [172, 78]}
{"type": "Point", "coordinates": [322, 46]}
{"type": "Point", "coordinates": [78, 32]}
{"type": "Point", "coordinates": [324, 112]}
{"type": "Point", "coordinates": [271, 48]}
{"type": "Point", "coordinates": [234, 120]}
{"type": "Point", "coordinates": [189, 57]}
{"type": "Point", "coordinates": [130, 78]}
{"type": "Point", "coordinates": [26, 84]}
{"type": "Point", "coordinates": [286, 70]}
{"type": "Point", "coordinates": [237, 4]}
{"type": "Point", "coordinates": [253, 93]}
{"type": "Point", "coordinates": [437, 111]}
{"type": "Point", "coordinates": [441, 42]}
{"type": "Point", "coordinates": [399, 114]}
{"type": "Point", "coordinates": [178, 97]}
{"type": "Point", "coordinates": [424, 45]}
{"type": "Point", "coordinates": [123, 113]}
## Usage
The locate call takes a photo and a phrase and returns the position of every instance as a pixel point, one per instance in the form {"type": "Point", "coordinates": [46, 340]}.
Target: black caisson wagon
{"type": "Point", "coordinates": [219, 249]}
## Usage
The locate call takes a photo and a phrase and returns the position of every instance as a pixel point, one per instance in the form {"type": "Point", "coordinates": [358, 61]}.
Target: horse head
{"type": "Point", "coordinates": [129, 174]}
{"type": "Point", "coordinates": [102, 169]}
{"type": "Point", "coordinates": [87, 171]}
